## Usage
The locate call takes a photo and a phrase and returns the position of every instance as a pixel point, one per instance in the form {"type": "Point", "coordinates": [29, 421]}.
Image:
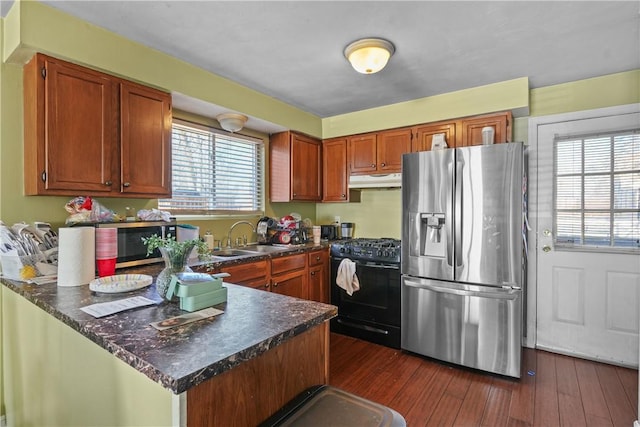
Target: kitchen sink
{"type": "Point", "coordinates": [232, 253]}
{"type": "Point", "coordinates": [264, 249]}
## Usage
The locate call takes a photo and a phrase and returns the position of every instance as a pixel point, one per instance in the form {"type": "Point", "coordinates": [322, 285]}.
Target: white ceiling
{"type": "Point", "coordinates": [293, 50]}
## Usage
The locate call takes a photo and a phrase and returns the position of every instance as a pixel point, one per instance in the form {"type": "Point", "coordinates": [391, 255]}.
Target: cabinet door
{"type": "Point", "coordinates": [319, 276]}
{"type": "Point", "coordinates": [252, 274]}
{"type": "Point", "coordinates": [306, 168]}
{"type": "Point", "coordinates": [335, 186]}
{"type": "Point", "coordinates": [293, 284]}
{"type": "Point", "coordinates": [392, 144]}
{"type": "Point", "coordinates": [472, 128]}
{"type": "Point", "coordinates": [145, 140]}
{"type": "Point", "coordinates": [424, 135]}
{"type": "Point", "coordinates": [362, 151]}
{"type": "Point", "coordinates": [76, 110]}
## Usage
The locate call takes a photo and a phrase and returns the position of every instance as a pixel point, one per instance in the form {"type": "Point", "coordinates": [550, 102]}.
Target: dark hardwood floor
{"type": "Point", "coordinates": [554, 390]}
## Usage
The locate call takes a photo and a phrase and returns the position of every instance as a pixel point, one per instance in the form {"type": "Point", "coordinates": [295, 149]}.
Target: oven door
{"type": "Point", "coordinates": [373, 312]}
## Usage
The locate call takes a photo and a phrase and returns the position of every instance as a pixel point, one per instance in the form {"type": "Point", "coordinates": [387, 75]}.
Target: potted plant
{"type": "Point", "coordinates": [174, 254]}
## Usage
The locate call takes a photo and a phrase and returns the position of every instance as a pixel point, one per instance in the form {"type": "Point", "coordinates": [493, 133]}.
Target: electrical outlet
{"type": "Point", "coordinates": [336, 219]}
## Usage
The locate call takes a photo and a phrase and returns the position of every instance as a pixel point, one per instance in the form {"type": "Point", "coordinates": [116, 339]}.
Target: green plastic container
{"type": "Point", "coordinates": [201, 301]}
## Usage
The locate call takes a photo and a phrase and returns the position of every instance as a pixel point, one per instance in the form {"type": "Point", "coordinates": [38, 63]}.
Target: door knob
{"type": "Point", "coordinates": [546, 248]}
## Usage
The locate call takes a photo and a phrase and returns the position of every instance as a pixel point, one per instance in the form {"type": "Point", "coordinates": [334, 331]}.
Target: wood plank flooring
{"type": "Point", "coordinates": [554, 390]}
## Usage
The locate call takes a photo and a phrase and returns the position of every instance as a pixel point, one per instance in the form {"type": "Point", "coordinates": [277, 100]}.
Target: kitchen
{"type": "Point", "coordinates": [122, 57]}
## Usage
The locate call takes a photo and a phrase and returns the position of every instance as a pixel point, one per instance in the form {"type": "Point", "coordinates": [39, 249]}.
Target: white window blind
{"type": "Point", "coordinates": [214, 172]}
{"type": "Point", "coordinates": [597, 191]}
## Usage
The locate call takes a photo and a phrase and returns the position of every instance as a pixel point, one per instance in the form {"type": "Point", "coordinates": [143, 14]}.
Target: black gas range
{"type": "Point", "coordinates": [382, 250]}
{"type": "Point", "coordinates": [373, 312]}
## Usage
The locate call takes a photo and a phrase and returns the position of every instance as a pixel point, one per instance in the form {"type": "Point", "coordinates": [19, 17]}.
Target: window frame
{"type": "Point", "coordinates": [612, 210]}
{"type": "Point", "coordinates": [220, 213]}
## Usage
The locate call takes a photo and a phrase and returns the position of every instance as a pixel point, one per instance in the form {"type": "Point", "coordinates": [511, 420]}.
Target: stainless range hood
{"type": "Point", "coordinates": [390, 180]}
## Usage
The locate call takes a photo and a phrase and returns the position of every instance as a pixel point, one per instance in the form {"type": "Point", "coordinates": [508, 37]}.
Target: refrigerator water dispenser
{"type": "Point", "coordinates": [432, 235]}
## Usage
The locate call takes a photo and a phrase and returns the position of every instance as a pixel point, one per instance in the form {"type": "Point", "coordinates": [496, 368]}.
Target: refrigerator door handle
{"type": "Point", "coordinates": [457, 208]}
{"type": "Point", "coordinates": [499, 294]}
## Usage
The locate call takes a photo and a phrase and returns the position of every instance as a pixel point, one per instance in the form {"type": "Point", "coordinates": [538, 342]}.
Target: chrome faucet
{"type": "Point", "coordinates": [233, 226]}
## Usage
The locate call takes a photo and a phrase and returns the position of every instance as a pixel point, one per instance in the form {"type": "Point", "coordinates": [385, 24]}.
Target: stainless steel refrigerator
{"type": "Point", "coordinates": [463, 266]}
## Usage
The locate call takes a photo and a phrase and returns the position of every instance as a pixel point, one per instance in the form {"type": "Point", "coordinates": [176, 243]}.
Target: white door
{"type": "Point", "coordinates": [587, 298]}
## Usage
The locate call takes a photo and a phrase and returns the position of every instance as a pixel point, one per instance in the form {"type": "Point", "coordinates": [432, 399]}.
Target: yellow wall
{"type": "Point", "coordinates": [57, 377]}
{"type": "Point", "coordinates": [378, 213]}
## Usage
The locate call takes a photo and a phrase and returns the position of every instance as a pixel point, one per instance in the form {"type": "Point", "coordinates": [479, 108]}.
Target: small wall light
{"type": "Point", "coordinates": [368, 56]}
{"type": "Point", "coordinates": [231, 122]}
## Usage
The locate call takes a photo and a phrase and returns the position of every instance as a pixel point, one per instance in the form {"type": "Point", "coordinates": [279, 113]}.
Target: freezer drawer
{"type": "Point", "coordinates": [475, 326]}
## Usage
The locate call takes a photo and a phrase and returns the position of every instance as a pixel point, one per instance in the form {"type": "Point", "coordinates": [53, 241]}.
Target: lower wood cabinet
{"type": "Point", "coordinates": [303, 275]}
{"type": "Point", "coordinates": [319, 285]}
{"type": "Point", "coordinates": [253, 274]}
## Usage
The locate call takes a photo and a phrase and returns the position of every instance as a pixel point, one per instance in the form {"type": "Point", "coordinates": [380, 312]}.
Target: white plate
{"type": "Point", "coordinates": [120, 283]}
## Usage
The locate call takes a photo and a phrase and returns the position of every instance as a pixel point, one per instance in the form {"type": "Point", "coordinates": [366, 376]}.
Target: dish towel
{"type": "Point", "coordinates": [346, 277]}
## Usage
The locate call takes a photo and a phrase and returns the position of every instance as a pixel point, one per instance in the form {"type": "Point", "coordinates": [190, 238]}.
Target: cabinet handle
{"type": "Point", "coordinates": [317, 258]}
{"type": "Point", "coordinates": [344, 195]}
{"type": "Point", "coordinates": [295, 194]}
{"type": "Point", "coordinates": [266, 285]}
{"type": "Point", "coordinates": [108, 183]}
{"type": "Point", "coordinates": [275, 285]}
{"type": "Point", "coordinates": [373, 165]}
{"type": "Point", "coordinates": [126, 184]}
{"type": "Point", "coordinates": [383, 164]}
{"type": "Point", "coordinates": [313, 273]}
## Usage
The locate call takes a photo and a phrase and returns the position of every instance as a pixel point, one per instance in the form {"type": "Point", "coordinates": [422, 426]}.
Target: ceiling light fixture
{"type": "Point", "coordinates": [231, 122]}
{"type": "Point", "coordinates": [368, 56]}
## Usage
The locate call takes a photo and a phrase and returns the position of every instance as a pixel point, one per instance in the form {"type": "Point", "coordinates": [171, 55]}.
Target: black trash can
{"type": "Point", "coordinates": [328, 406]}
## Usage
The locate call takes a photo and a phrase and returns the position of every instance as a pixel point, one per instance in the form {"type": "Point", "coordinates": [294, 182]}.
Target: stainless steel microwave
{"type": "Point", "coordinates": [131, 251]}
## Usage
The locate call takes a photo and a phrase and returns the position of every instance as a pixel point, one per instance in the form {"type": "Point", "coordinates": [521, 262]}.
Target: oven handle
{"type": "Point", "coordinates": [373, 265]}
{"type": "Point", "coordinates": [509, 294]}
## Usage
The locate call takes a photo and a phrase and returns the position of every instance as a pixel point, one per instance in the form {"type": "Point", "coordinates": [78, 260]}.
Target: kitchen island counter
{"type": "Point", "coordinates": [254, 325]}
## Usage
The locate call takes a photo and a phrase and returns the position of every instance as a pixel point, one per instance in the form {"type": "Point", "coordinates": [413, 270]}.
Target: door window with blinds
{"type": "Point", "coordinates": [214, 172]}
{"type": "Point", "coordinates": [597, 191]}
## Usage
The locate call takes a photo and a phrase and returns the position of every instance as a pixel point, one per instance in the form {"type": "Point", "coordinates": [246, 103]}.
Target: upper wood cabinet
{"type": "Point", "coordinates": [335, 178]}
{"type": "Point", "coordinates": [145, 140]}
{"type": "Point", "coordinates": [424, 135]}
{"type": "Point", "coordinates": [86, 132]}
{"type": "Point", "coordinates": [295, 168]}
{"type": "Point", "coordinates": [471, 128]}
{"type": "Point", "coordinates": [379, 152]}
{"type": "Point", "coordinates": [363, 153]}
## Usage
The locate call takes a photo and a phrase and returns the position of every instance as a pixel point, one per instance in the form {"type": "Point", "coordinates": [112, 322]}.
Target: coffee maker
{"type": "Point", "coordinates": [346, 230]}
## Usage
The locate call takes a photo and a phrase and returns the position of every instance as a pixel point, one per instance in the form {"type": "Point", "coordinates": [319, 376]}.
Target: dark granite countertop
{"type": "Point", "coordinates": [217, 262]}
{"type": "Point", "coordinates": [253, 322]}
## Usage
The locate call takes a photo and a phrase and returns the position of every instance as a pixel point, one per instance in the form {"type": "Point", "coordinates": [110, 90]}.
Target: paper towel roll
{"type": "Point", "coordinates": [76, 255]}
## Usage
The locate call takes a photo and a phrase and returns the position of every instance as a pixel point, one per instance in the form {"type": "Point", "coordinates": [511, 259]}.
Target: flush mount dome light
{"type": "Point", "coordinates": [368, 56]}
{"type": "Point", "coordinates": [231, 122]}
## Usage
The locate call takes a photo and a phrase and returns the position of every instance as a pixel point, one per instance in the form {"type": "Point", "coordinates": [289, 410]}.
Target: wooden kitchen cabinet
{"type": "Point", "coordinates": [288, 276]}
{"type": "Point", "coordinates": [253, 274]}
{"type": "Point", "coordinates": [335, 178]}
{"type": "Point", "coordinates": [86, 132]}
{"type": "Point", "coordinates": [145, 140]}
{"type": "Point", "coordinates": [380, 152]}
{"type": "Point", "coordinates": [424, 135]}
{"type": "Point", "coordinates": [471, 128]}
{"type": "Point", "coordinates": [302, 275]}
{"type": "Point", "coordinates": [319, 284]}
{"type": "Point", "coordinates": [295, 167]}
{"type": "Point", "coordinates": [392, 144]}
{"type": "Point", "coordinates": [362, 151]}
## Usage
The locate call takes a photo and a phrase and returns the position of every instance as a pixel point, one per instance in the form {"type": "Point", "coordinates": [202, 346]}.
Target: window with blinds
{"type": "Point", "coordinates": [214, 172]}
{"type": "Point", "coordinates": [597, 191]}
